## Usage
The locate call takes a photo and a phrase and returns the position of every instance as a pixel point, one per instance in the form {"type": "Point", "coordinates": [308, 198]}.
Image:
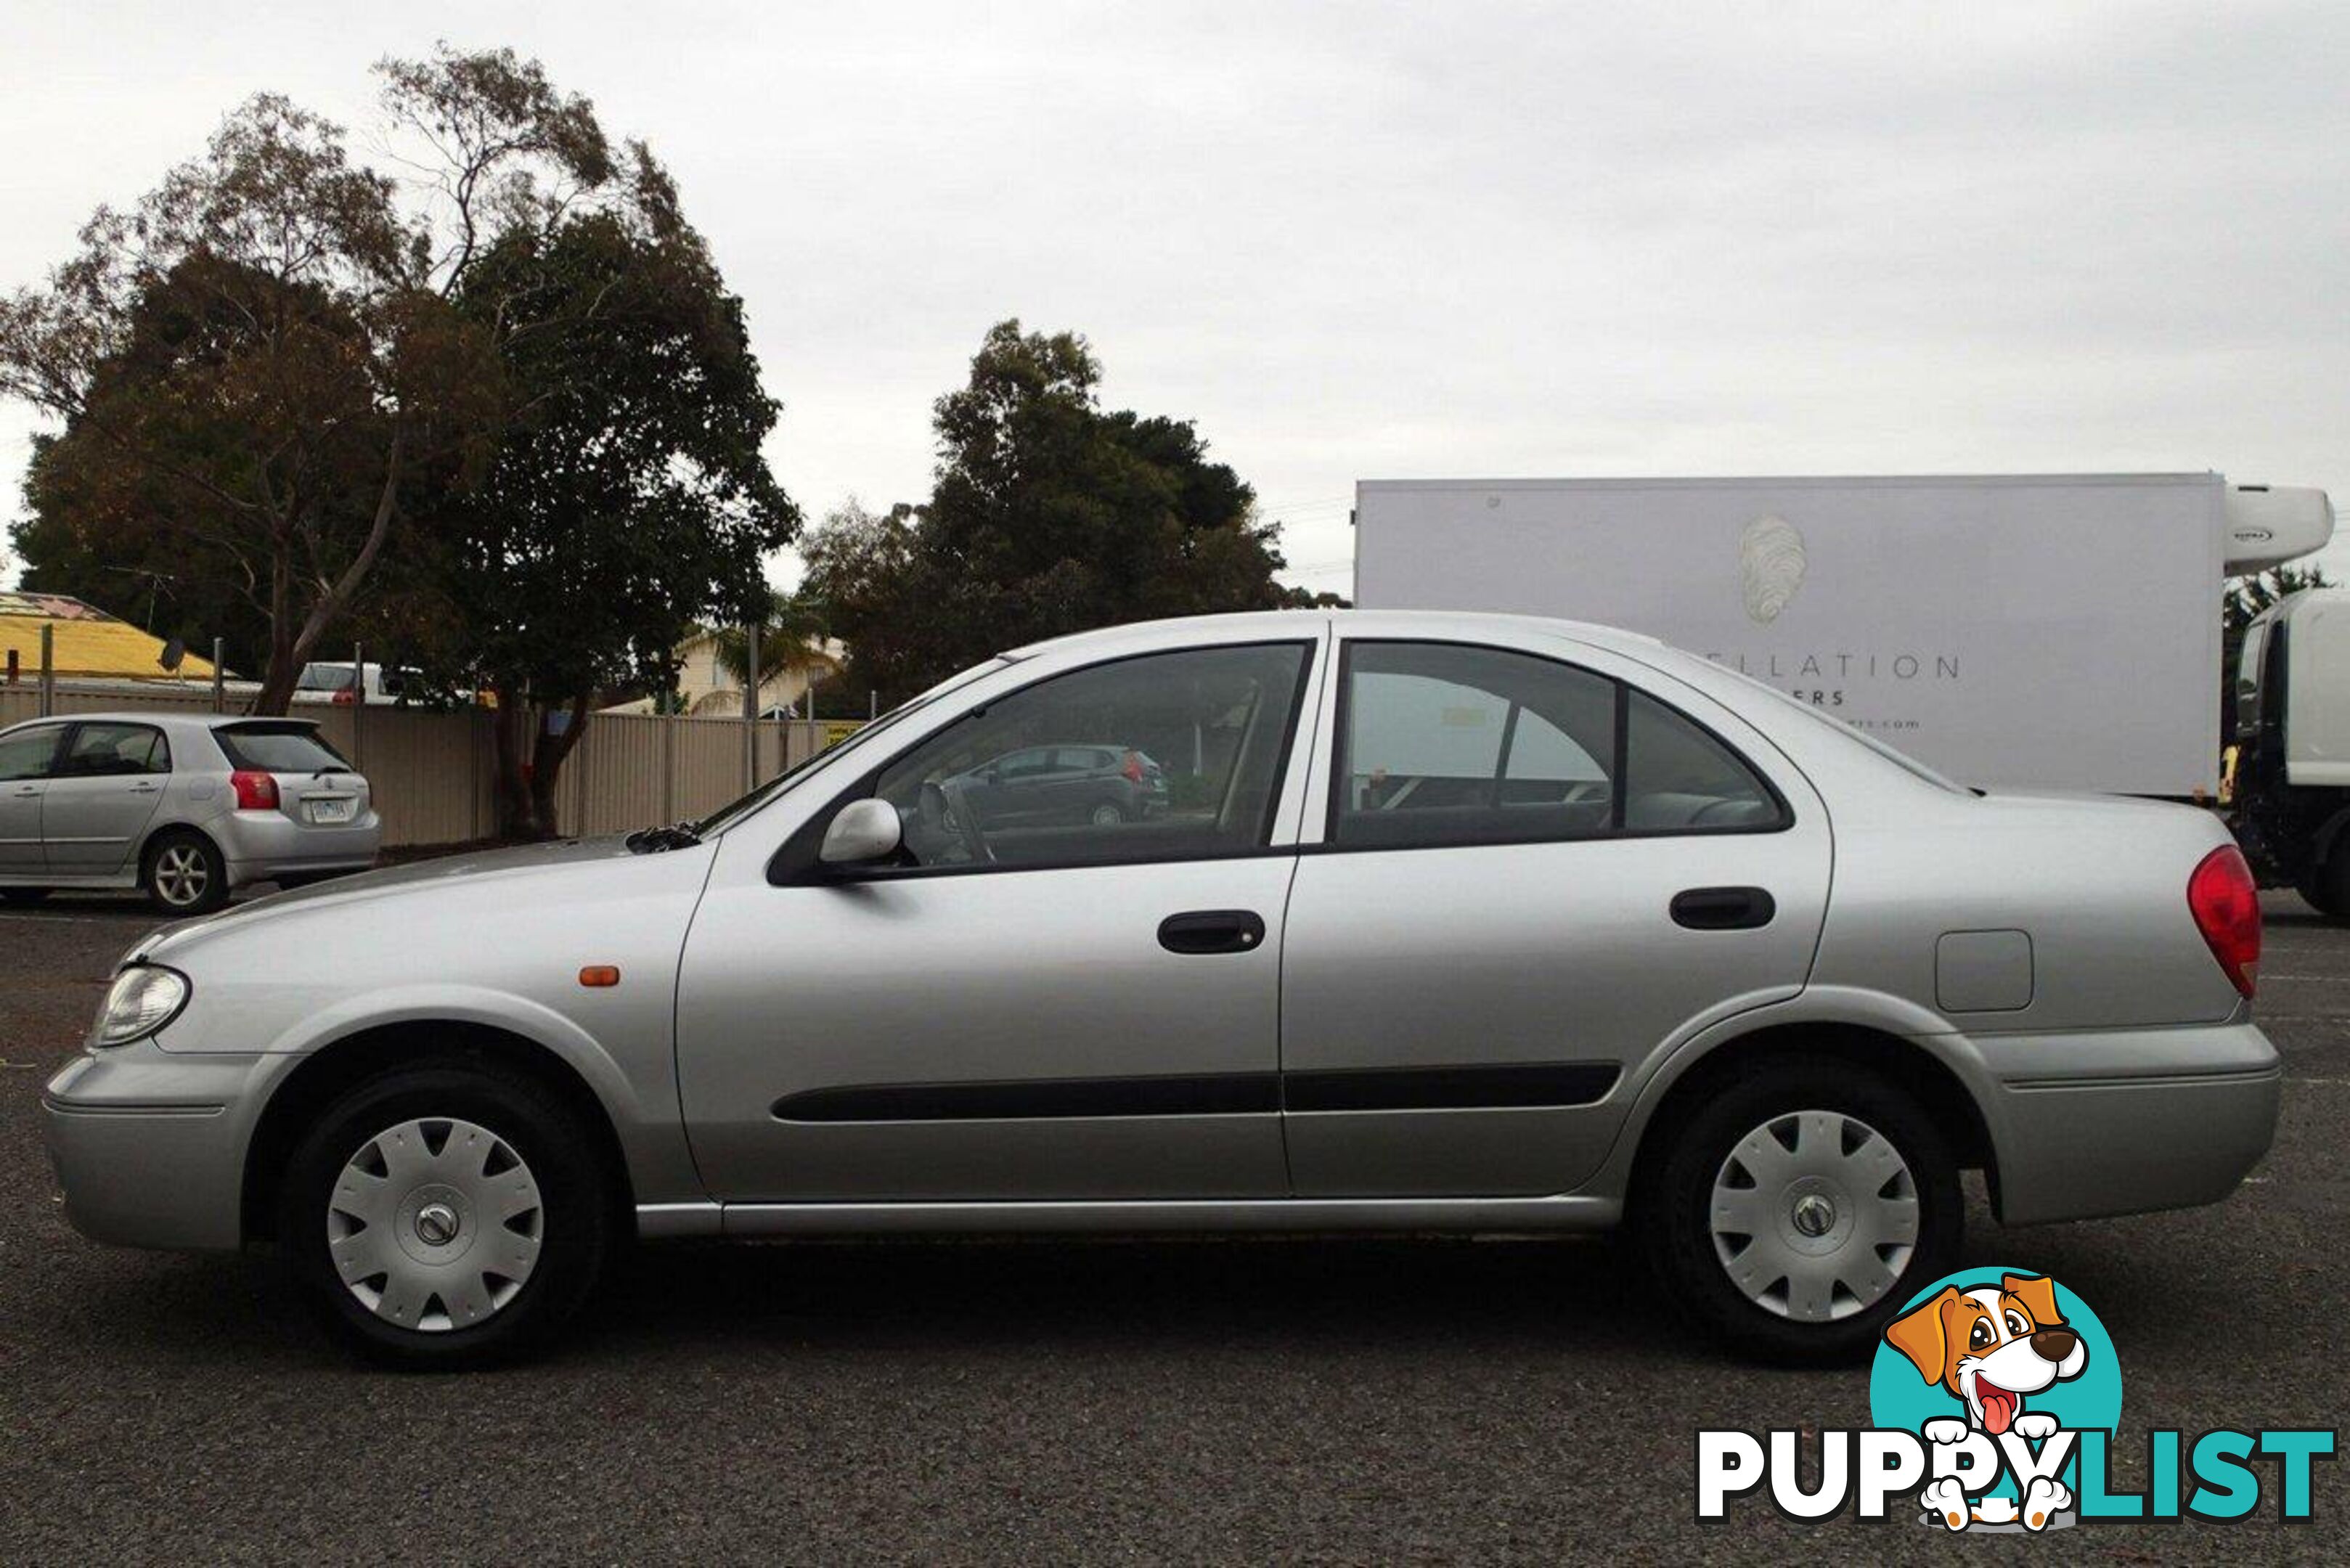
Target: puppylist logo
{"type": "Point", "coordinates": [1993, 1400]}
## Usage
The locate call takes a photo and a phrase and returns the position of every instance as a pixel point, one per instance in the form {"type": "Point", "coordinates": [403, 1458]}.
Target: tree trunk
{"type": "Point", "coordinates": [546, 766]}
{"type": "Point", "coordinates": [289, 648]}
{"type": "Point", "coordinates": [510, 733]}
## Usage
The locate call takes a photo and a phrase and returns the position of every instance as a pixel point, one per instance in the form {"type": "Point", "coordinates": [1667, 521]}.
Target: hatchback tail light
{"type": "Point", "coordinates": [2226, 903]}
{"type": "Point", "coordinates": [1133, 769]}
{"type": "Point", "coordinates": [256, 791]}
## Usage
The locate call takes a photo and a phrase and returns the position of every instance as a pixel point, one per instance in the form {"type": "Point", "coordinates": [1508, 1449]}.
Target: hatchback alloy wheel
{"type": "Point", "coordinates": [180, 876]}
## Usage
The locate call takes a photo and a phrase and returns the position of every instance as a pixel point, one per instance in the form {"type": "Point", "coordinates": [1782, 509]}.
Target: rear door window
{"type": "Point", "coordinates": [114, 750]}
{"type": "Point", "coordinates": [278, 748]}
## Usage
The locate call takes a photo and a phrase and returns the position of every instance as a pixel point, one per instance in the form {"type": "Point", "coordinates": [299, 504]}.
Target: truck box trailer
{"type": "Point", "coordinates": [2046, 631]}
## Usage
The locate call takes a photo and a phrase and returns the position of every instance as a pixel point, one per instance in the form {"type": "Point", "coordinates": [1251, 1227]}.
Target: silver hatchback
{"type": "Point", "coordinates": [1450, 922]}
{"type": "Point", "coordinates": [185, 808]}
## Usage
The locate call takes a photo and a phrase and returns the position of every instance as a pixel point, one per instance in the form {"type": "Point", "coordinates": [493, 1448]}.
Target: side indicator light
{"type": "Point", "coordinates": [599, 974]}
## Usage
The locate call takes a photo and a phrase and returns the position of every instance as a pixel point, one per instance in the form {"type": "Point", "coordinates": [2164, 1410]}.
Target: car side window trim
{"type": "Point", "coordinates": [795, 863]}
{"type": "Point", "coordinates": [1782, 820]}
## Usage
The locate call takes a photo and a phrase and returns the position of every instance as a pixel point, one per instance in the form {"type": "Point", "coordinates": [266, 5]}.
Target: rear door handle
{"type": "Point", "coordinates": [1212, 931]}
{"type": "Point", "coordinates": [1723, 909]}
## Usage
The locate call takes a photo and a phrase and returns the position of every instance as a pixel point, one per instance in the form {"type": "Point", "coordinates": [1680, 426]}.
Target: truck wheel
{"type": "Point", "coordinates": [1798, 1209]}
{"type": "Point", "coordinates": [446, 1215]}
{"type": "Point", "coordinates": [2326, 886]}
{"type": "Point", "coordinates": [184, 874]}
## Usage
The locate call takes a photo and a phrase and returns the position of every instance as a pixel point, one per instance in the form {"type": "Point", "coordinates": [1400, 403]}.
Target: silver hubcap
{"type": "Point", "coordinates": [434, 1224]}
{"type": "Point", "coordinates": [1105, 816]}
{"type": "Point", "coordinates": [1814, 1216]}
{"type": "Point", "coordinates": [180, 874]}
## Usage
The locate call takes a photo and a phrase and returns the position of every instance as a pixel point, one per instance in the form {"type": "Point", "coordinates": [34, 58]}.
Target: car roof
{"type": "Point", "coordinates": [182, 721]}
{"type": "Point", "coordinates": [1143, 636]}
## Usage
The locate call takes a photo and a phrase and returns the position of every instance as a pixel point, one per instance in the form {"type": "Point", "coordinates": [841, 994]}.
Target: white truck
{"type": "Point", "coordinates": [2043, 631]}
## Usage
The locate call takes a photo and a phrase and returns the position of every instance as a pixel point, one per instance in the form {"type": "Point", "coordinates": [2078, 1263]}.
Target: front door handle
{"type": "Point", "coordinates": [1212, 931]}
{"type": "Point", "coordinates": [1723, 909]}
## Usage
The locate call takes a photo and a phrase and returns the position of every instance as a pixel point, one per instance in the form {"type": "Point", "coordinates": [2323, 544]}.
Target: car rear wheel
{"type": "Point", "coordinates": [447, 1215]}
{"type": "Point", "coordinates": [184, 874]}
{"type": "Point", "coordinates": [1800, 1207]}
{"type": "Point", "coordinates": [1107, 813]}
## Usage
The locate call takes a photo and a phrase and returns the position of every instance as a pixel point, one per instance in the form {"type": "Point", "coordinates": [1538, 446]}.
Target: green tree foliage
{"type": "Point", "coordinates": [256, 367]}
{"type": "Point", "coordinates": [628, 500]}
{"type": "Point", "coordinates": [1048, 515]}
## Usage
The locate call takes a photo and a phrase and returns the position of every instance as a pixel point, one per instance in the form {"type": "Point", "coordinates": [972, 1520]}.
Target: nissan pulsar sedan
{"type": "Point", "coordinates": [1455, 923]}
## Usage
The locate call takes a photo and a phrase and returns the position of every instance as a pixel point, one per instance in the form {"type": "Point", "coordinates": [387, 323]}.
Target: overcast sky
{"type": "Point", "coordinates": [1413, 241]}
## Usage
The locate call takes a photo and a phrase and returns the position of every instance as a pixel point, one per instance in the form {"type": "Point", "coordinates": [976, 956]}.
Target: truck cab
{"type": "Point", "coordinates": [2293, 745]}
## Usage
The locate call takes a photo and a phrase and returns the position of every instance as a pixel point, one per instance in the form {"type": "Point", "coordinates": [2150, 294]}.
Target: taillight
{"type": "Point", "coordinates": [255, 791]}
{"type": "Point", "coordinates": [2226, 903]}
{"type": "Point", "coordinates": [1133, 769]}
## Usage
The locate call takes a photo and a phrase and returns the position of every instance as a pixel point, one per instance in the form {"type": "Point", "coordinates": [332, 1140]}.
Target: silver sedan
{"type": "Point", "coordinates": [1452, 923]}
{"type": "Point", "coordinates": [186, 807]}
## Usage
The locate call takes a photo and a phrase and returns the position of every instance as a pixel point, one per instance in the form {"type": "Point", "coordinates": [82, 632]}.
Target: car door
{"type": "Point", "coordinates": [1013, 1010]}
{"type": "Point", "coordinates": [107, 782]}
{"type": "Point", "coordinates": [25, 758]}
{"type": "Point", "coordinates": [1539, 865]}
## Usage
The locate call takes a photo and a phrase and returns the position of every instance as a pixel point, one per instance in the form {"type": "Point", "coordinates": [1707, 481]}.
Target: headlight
{"type": "Point", "coordinates": [142, 999]}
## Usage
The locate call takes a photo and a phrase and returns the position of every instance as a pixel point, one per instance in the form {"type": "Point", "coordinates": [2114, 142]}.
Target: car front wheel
{"type": "Point", "coordinates": [446, 1215]}
{"type": "Point", "coordinates": [1800, 1206]}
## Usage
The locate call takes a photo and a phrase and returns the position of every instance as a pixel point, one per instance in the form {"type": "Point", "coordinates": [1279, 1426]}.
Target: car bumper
{"type": "Point", "coordinates": [260, 845]}
{"type": "Point", "coordinates": [149, 1147]}
{"type": "Point", "coordinates": [2122, 1122]}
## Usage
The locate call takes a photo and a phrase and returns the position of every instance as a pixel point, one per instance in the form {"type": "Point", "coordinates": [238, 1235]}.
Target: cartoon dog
{"type": "Point", "coordinates": [1990, 1349]}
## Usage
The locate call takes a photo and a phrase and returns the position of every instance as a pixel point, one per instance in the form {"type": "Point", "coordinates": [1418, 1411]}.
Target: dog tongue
{"type": "Point", "coordinates": [1999, 1407]}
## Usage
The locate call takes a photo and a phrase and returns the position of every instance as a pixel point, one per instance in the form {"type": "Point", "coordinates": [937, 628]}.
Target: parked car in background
{"type": "Point", "coordinates": [1485, 923]}
{"type": "Point", "coordinates": [185, 808]}
{"type": "Point", "coordinates": [326, 681]}
{"type": "Point", "coordinates": [1070, 782]}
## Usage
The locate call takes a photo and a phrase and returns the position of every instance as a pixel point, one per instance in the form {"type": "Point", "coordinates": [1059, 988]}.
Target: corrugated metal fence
{"type": "Point", "coordinates": [432, 773]}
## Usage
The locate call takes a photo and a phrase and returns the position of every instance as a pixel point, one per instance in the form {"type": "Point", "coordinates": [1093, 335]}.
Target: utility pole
{"type": "Point", "coordinates": [220, 681]}
{"type": "Point", "coordinates": [48, 669]}
{"type": "Point", "coordinates": [750, 705]}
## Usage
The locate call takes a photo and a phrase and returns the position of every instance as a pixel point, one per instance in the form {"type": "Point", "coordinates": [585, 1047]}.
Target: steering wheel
{"type": "Point", "coordinates": [943, 807]}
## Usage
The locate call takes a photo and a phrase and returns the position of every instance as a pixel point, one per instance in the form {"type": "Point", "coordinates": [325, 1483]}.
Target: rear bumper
{"type": "Point", "coordinates": [2119, 1122]}
{"type": "Point", "coordinates": [259, 845]}
{"type": "Point", "coordinates": [149, 1147]}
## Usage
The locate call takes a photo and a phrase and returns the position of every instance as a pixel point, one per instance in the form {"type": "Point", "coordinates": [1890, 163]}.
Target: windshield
{"type": "Point", "coordinates": [735, 810]}
{"type": "Point", "coordinates": [278, 748]}
{"type": "Point", "coordinates": [323, 678]}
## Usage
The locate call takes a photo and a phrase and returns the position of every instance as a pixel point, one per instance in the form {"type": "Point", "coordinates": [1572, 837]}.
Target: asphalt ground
{"type": "Point", "coordinates": [1234, 1401]}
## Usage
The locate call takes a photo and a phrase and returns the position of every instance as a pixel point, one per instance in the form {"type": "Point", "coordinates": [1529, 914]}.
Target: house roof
{"type": "Point", "coordinates": [86, 643]}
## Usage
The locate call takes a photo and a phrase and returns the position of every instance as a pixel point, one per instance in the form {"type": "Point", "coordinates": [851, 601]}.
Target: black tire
{"type": "Point", "coordinates": [154, 877]}
{"type": "Point", "coordinates": [2326, 886]}
{"type": "Point", "coordinates": [25, 895]}
{"type": "Point", "coordinates": [576, 1225]}
{"type": "Point", "coordinates": [1674, 1205]}
{"type": "Point", "coordinates": [1103, 813]}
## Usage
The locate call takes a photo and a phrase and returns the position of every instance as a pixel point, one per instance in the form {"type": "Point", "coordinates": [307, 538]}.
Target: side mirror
{"type": "Point", "coordinates": [862, 831]}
